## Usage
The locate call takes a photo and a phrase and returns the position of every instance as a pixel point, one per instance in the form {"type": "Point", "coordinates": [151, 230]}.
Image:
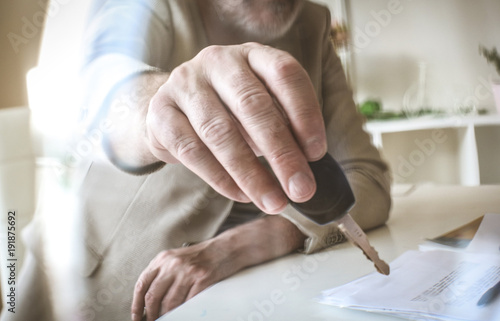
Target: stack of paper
{"type": "Point", "coordinates": [432, 285]}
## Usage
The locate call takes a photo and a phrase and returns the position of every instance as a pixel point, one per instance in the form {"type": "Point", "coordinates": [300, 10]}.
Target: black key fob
{"type": "Point", "coordinates": [333, 198]}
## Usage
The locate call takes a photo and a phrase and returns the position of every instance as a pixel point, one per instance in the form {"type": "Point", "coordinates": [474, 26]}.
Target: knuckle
{"type": "Point", "coordinates": [187, 148]}
{"type": "Point", "coordinates": [252, 100]}
{"type": "Point", "coordinates": [284, 156]}
{"type": "Point", "coordinates": [163, 255]}
{"type": "Point", "coordinates": [170, 258]}
{"type": "Point", "coordinates": [286, 69]}
{"type": "Point", "coordinates": [250, 176]}
{"type": "Point", "coordinates": [140, 285]}
{"type": "Point", "coordinates": [269, 126]}
{"type": "Point", "coordinates": [183, 83]}
{"type": "Point", "coordinates": [179, 74]}
{"type": "Point", "coordinates": [176, 262]}
{"type": "Point", "coordinates": [212, 53]}
{"type": "Point", "coordinates": [217, 131]}
{"type": "Point", "coordinates": [241, 77]}
{"type": "Point", "coordinates": [258, 111]}
{"type": "Point", "coordinates": [284, 65]}
{"type": "Point", "coordinates": [151, 299]}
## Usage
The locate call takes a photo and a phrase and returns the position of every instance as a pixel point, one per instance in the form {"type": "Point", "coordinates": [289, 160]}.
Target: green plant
{"type": "Point", "coordinates": [370, 107]}
{"type": "Point", "coordinates": [491, 56]}
{"type": "Point", "coordinates": [372, 110]}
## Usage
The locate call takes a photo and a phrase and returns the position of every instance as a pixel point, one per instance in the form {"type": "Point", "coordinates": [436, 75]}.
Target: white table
{"type": "Point", "coordinates": [285, 289]}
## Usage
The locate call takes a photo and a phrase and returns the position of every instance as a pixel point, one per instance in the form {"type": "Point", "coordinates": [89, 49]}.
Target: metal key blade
{"type": "Point", "coordinates": [331, 203]}
{"type": "Point", "coordinates": [355, 235]}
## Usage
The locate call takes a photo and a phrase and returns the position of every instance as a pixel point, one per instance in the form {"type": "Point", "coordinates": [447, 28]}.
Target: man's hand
{"type": "Point", "coordinates": [175, 276]}
{"type": "Point", "coordinates": [217, 112]}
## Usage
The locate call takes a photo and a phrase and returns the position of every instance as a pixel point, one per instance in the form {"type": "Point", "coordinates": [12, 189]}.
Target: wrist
{"type": "Point", "coordinates": [259, 241]}
{"type": "Point", "coordinates": [145, 166]}
{"type": "Point", "coordinates": [233, 248]}
{"type": "Point", "coordinates": [126, 141]}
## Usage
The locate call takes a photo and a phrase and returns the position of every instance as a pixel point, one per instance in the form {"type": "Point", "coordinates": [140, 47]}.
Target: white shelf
{"type": "Point", "coordinates": [450, 150]}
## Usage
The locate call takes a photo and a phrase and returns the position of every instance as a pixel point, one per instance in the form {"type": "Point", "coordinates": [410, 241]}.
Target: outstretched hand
{"type": "Point", "coordinates": [217, 112]}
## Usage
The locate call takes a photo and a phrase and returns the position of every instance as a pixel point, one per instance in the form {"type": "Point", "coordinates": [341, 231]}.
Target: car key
{"type": "Point", "coordinates": [332, 201]}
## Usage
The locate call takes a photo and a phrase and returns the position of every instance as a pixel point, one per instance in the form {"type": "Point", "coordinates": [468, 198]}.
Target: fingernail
{"type": "Point", "coordinates": [315, 149]}
{"type": "Point", "coordinates": [300, 185]}
{"type": "Point", "coordinates": [273, 201]}
{"type": "Point", "coordinates": [135, 317]}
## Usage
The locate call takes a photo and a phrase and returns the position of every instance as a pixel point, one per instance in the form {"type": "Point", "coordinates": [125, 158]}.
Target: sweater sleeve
{"type": "Point", "coordinates": [123, 38]}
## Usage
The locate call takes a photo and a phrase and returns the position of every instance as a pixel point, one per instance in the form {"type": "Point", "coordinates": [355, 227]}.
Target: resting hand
{"type": "Point", "coordinates": [175, 276]}
{"type": "Point", "coordinates": [217, 112]}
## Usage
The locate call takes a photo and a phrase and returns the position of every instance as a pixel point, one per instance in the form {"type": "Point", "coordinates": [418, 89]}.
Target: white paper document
{"type": "Point", "coordinates": [429, 285]}
{"type": "Point", "coordinates": [487, 239]}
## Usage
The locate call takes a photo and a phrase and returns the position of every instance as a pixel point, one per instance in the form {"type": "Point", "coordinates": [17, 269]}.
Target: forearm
{"type": "Point", "coordinates": [126, 142]}
{"type": "Point", "coordinates": [260, 240]}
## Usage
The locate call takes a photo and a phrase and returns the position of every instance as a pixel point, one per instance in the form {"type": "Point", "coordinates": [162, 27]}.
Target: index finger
{"type": "Point", "coordinates": [290, 84]}
{"type": "Point", "coordinates": [249, 100]}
